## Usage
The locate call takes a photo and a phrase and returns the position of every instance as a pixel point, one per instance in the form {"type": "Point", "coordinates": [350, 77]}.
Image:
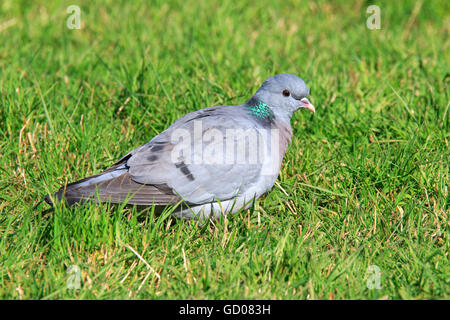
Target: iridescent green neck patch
{"type": "Point", "coordinates": [261, 111]}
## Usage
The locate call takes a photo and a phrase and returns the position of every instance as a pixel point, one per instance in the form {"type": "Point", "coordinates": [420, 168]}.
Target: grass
{"type": "Point", "coordinates": [364, 182]}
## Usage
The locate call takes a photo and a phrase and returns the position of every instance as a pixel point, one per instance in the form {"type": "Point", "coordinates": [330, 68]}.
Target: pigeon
{"type": "Point", "coordinates": [208, 163]}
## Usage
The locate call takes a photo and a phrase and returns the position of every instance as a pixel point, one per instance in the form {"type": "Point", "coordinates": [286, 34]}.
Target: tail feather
{"type": "Point", "coordinates": [115, 186]}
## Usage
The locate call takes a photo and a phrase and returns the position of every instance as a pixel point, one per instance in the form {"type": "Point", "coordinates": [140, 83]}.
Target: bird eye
{"type": "Point", "coordinates": [286, 93]}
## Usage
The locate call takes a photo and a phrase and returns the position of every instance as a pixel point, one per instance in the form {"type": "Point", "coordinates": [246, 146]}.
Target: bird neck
{"type": "Point", "coordinates": [261, 111]}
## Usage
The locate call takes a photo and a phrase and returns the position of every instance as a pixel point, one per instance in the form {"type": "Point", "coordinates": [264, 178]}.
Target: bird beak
{"type": "Point", "coordinates": [308, 105]}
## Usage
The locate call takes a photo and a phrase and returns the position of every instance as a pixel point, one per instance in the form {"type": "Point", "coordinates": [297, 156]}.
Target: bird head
{"type": "Point", "coordinates": [285, 93]}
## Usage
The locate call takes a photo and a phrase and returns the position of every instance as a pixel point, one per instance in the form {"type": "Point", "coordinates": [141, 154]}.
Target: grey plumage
{"type": "Point", "coordinates": [182, 165]}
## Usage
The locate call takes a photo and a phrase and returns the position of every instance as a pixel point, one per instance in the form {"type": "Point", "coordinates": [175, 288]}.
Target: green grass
{"type": "Point", "coordinates": [364, 182]}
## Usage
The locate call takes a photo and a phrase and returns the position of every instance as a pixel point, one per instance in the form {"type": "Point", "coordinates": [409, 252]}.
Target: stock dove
{"type": "Point", "coordinates": [211, 161]}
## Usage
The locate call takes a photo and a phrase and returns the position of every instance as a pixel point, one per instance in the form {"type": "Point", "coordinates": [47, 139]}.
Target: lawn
{"type": "Point", "coordinates": [360, 209]}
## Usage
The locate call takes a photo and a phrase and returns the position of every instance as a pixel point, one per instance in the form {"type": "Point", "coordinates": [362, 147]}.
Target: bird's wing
{"type": "Point", "coordinates": [196, 160]}
{"type": "Point", "coordinates": [187, 157]}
